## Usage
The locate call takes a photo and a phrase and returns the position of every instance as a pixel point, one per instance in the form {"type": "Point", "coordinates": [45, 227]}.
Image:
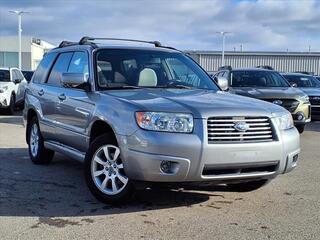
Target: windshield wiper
{"type": "Point", "coordinates": [180, 86]}
{"type": "Point", "coordinates": [123, 87]}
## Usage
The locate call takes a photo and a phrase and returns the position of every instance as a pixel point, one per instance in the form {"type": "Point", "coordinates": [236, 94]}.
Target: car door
{"type": "Point", "coordinates": [75, 107]}
{"type": "Point", "coordinates": [48, 93]}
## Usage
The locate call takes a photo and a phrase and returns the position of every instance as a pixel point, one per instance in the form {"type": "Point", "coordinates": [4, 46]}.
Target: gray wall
{"type": "Point", "coordinates": [10, 59]}
{"type": "Point", "coordinates": [283, 62]}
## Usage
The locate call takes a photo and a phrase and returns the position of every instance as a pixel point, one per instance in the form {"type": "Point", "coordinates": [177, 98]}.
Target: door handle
{"type": "Point", "coordinates": [41, 92]}
{"type": "Point", "coordinates": [62, 97]}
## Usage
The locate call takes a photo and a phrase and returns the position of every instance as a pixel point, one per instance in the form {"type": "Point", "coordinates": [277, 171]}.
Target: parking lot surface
{"type": "Point", "coordinates": [53, 202]}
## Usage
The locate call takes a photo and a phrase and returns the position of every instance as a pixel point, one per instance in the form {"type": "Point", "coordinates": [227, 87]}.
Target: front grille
{"type": "Point", "coordinates": [222, 129]}
{"type": "Point", "coordinates": [289, 104]}
{"type": "Point", "coordinates": [315, 112]}
{"type": "Point", "coordinates": [314, 100]}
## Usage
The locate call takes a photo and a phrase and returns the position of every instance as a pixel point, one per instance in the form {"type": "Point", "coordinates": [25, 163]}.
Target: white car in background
{"type": "Point", "coordinates": [12, 88]}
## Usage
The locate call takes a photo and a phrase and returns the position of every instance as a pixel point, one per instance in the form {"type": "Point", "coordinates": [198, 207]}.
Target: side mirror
{"type": "Point", "coordinates": [293, 84]}
{"type": "Point", "coordinates": [74, 79]}
{"type": "Point", "coordinates": [17, 81]}
{"type": "Point", "coordinates": [223, 83]}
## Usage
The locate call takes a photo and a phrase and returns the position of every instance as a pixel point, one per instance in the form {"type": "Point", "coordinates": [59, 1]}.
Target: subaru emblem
{"type": "Point", "coordinates": [241, 126]}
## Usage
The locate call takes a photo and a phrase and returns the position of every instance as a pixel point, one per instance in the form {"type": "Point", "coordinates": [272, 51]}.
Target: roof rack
{"type": "Point", "coordinates": [89, 40]}
{"type": "Point", "coordinates": [265, 67]}
{"type": "Point", "coordinates": [66, 43]}
{"type": "Point", "coordinates": [86, 40]}
{"type": "Point", "coordinates": [225, 68]}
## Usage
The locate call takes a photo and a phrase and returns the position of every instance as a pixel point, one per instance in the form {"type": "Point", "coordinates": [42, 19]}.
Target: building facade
{"type": "Point", "coordinates": [33, 50]}
{"type": "Point", "coordinates": [280, 61]}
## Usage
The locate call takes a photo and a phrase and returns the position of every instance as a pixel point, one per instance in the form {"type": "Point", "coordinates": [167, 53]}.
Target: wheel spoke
{"type": "Point", "coordinates": [116, 154]}
{"type": "Point", "coordinates": [98, 173]}
{"type": "Point", "coordinates": [106, 153]}
{"type": "Point", "coordinates": [123, 179]}
{"type": "Point", "coordinates": [104, 183]}
{"type": "Point", "coordinates": [99, 160]}
{"type": "Point", "coordinates": [114, 186]}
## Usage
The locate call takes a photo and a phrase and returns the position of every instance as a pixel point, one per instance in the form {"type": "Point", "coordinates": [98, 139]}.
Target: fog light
{"type": "Point", "coordinates": [300, 116]}
{"type": "Point", "coordinates": [295, 160]}
{"type": "Point", "coordinates": [166, 166]}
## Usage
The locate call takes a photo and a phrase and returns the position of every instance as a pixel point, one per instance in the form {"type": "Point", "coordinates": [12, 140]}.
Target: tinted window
{"type": "Point", "coordinates": [4, 76]}
{"type": "Point", "coordinates": [303, 81]}
{"type": "Point", "coordinates": [116, 68]}
{"type": "Point", "coordinates": [60, 66]}
{"type": "Point", "coordinates": [79, 63]}
{"type": "Point", "coordinates": [40, 74]}
{"type": "Point", "coordinates": [27, 75]}
{"type": "Point", "coordinates": [257, 79]}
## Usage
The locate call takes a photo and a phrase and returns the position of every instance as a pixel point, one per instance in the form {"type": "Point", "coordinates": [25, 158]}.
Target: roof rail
{"type": "Point", "coordinates": [86, 40]}
{"type": "Point", "coordinates": [265, 67]}
{"type": "Point", "coordinates": [66, 43]}
{"type": "Point", "coordinates": [225, 68]}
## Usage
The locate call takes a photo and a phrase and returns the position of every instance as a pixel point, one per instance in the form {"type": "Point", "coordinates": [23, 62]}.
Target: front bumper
{"type": "Point", "coordinates": [192, 156]}
{"type": "Point", "coordinates": [304, 110]}
{"type": "Point", "coordinates": [4, 101]}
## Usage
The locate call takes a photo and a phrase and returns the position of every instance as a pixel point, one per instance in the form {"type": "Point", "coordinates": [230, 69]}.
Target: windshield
{"type": "Point", "coordinates": [303, 81]}
{"type": "Point", "coordinates": [257, 79]}
{"type": "Point", "coordinates": [4, 76]}
{"type": "Point", "coordinates": [149, 69]}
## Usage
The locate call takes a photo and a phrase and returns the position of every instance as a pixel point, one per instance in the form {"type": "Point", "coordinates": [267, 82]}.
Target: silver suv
{"type": "Point", "coordinates": [151, 114]}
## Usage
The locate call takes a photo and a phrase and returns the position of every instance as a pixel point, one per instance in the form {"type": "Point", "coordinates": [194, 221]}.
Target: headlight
{"type": "Point", "coordinates": [165, 122]}
{"type": "Point", "coordinates": [3, 89]}
{"type": "Point", "coordinates": [284, 121]}
{"type": "Point", "coordinates": [304, 98]}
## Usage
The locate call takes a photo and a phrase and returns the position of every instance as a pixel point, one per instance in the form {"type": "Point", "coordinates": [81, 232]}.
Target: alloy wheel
{"type": "Point", "coordinates": [34, 140]}
{"type": "Point", "coordinates": [107, 170]}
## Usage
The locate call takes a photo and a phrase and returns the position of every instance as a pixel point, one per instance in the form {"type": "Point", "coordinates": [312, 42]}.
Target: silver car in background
{"type": "Point", "coordinates": [151, 114]}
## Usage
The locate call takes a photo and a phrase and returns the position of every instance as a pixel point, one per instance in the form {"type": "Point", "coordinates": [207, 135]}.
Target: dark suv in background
{"type": "Point", "coordinates": [268, 85]}
{"type": "Point", "coordinates": [311, 86]}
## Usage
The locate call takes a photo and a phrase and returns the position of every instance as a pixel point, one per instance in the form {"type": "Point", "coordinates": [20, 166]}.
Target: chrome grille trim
{"type": "Point", "coordinates": [221, 130]}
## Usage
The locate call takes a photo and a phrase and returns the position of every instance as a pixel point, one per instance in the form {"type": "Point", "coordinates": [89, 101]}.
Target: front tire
{"type": "Point", "coordinates": [104, 171]}
{"type": "Point", "coordinates": [300, 128]}
{"type": "Point", "coordinates": [12, 105]}
{"type": "Point", "coordinates": [37, 152]}
{"type": "Point", "coordinates": [247, 186]}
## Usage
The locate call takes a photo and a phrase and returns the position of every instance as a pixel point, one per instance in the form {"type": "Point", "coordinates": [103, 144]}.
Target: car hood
{"type": "Point", "coordinates": [311, 91]}
{"type": "Point", "coordinates": [3, 84]}
{"type": "Point", "coordinates": [201, 103]}
{"type": "Point", "coordinates": [272, 92]}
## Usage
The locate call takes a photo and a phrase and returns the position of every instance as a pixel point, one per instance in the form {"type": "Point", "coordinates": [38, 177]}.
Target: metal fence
{"type": "Point", "coordinates": [280, 61]}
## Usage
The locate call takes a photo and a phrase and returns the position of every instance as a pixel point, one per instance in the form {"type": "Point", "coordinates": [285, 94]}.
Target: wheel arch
{"type": "Point", "coordinates": [100, 127]}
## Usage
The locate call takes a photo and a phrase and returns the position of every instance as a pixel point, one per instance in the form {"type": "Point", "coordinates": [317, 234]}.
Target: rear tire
{"type": "Point", "coordinates": [247, 186]}
{"type": "Point", "coordinates": [300, 128]}
{"type": "Point", "coordinates": [104, 171]}
{"type": "Point", "coordinates": [37, 152]}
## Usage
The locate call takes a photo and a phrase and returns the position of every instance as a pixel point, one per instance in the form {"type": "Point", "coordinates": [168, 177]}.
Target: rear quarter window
{"type": "Point", "coordinates": [41, 73]}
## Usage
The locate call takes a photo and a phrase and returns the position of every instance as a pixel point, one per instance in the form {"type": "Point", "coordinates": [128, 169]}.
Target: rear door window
{"type": "Point", "coordinates": [60, 66]}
